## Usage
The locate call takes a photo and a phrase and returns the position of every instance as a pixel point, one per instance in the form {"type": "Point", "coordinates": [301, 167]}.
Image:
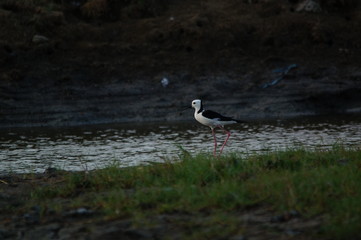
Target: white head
{"type": "Point", "coordinates": [197, 104]}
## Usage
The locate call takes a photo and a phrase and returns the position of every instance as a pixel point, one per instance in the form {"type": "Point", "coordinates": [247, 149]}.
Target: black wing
{"type": "Point", "coordinates": [214, 115]}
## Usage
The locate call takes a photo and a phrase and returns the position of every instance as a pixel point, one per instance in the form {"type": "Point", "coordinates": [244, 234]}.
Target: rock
{"type": "Point", "coordinates": [309, 6]}
{"type": "Point", "coordinates": [164, 82]}
{"type": "Point", "coordinates": [79, 212]}
{"type": "Point", "coordinates": [40, 39]}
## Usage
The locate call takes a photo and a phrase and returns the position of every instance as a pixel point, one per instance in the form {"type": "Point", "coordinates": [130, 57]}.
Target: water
{"type": "Point", "coordinates": [86, 148]}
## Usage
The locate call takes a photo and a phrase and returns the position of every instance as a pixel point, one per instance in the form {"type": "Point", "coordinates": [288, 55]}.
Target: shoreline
{"type": "Point", "coordinates": [189, 199]}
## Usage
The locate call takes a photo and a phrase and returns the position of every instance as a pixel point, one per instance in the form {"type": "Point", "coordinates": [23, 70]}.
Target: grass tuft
{"type": "Point", "coordinates": [314, 183]}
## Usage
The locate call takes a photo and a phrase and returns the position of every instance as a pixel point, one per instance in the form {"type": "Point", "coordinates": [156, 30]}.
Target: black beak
{"type": "Point", "coordinates": [185, 108]}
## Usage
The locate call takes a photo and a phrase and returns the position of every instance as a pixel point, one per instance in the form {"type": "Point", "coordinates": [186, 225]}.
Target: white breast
{"type": "Point", "coordinates": [206, 121]}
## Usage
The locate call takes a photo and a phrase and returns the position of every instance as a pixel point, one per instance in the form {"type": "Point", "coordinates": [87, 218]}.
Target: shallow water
{"type": "Point", "coordinates": [90, 147]}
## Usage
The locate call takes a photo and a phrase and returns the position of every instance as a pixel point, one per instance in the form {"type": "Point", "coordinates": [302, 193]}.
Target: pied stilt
{"type": "Point", "coordinates": [213, 120]}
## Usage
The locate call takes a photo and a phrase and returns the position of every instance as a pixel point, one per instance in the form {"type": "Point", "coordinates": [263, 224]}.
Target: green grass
{"type": "Point", "coordinates": [314, 183]}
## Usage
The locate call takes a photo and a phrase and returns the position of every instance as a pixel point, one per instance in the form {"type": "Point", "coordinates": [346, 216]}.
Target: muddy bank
{"type": "Point", "coordinates": [20, 221]}
{"type": "Point", "coordinates": [291, 194]}
{"type": "Point", "coordinates": [300, 93]}
{"type": "Point", "coordinates": [72, 64]}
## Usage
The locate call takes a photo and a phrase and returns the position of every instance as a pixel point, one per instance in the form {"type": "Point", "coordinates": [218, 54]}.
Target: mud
{"type": "Point", "coordinates": [78, 62]}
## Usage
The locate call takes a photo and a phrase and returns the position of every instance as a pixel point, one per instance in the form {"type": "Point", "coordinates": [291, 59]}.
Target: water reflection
{"type": "Point", "coordinates": [82, 148]}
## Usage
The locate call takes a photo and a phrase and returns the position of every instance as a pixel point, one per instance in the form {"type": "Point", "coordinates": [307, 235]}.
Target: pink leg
{"type": "Point", "coordinates": [215, 143]}
{"type": "Point", "coordinates": [224, 144]}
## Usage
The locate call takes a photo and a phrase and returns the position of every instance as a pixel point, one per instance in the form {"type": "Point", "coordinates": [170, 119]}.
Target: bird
{"type": "Point", "coordinates": [213, 120]}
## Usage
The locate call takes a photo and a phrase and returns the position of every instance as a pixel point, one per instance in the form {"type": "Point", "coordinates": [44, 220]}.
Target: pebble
{"type": "Point", "coordinates": [40, 39]}
{"type": "Point", "coordinates": [309, 6]}
{"type": "Point", "coordinates": [79, 212]}
{"type": "Point", "coordinates": [165, 82]}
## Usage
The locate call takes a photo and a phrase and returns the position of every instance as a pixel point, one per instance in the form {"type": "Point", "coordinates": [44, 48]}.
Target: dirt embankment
{"type": "Point", "coordinates": [19, 221]}
{"type": "Point", "coordinates": [99, 61]}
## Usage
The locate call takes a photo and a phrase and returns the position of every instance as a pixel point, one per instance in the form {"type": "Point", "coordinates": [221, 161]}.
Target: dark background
{"type": "Point", "coordinates": [101, 61]}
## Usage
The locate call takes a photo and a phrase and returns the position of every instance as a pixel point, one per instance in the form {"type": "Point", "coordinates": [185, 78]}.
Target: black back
{"type": "Point", "coordinates": [214, 115]}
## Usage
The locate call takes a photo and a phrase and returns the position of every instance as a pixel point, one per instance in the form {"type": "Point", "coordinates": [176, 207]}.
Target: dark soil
{"type": "Point", "coordinates": [103, 61]}
{"type": "Point", "coordinates": [20, 221]}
